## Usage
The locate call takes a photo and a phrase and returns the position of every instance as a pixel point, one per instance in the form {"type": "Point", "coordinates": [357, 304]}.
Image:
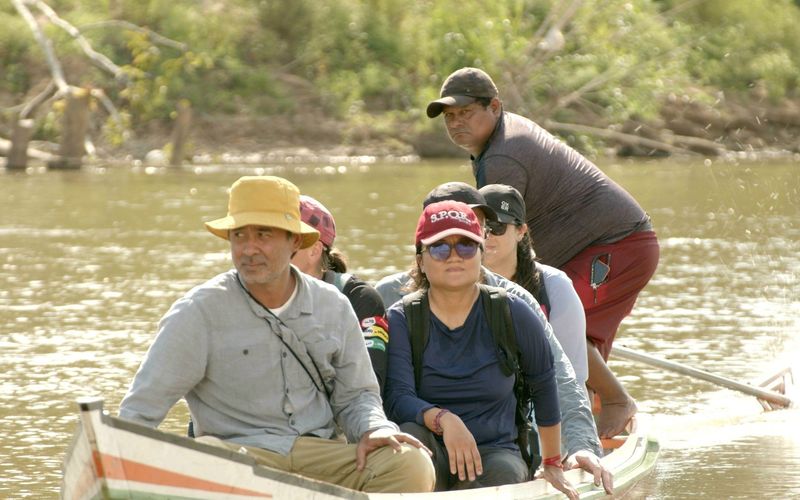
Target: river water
{"type": "Point", "coordinates": [90, 260]}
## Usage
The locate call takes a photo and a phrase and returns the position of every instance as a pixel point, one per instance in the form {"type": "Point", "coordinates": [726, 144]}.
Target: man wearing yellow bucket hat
{"type": "Point", "coordinates": [272, 361]}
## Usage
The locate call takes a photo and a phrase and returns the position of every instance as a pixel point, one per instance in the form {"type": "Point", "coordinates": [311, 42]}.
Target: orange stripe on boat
{"type": "Point", "coordinates": [118, 468]}
{"type": "Point", "coordinates": [613, 443]}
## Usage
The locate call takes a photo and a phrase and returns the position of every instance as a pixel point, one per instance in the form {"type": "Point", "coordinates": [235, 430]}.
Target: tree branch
{"type": "Point", "coordinates": [634, 140]}
{"type": "Point", "coordinates": [45, 44]}
{"type": "Point", "coordinates": [155, 37]}
{"type": "Point", "coordinates": [99, 59]}
{"type": "Point", "coordinates": [29, 107]}
{"type": "Point", "coordinates": [106, 102]}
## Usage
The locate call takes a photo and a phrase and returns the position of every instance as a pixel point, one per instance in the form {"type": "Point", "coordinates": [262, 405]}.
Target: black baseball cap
{"type": "Point", "coordinates": [462, 87]}
{"type": "Point", "coordinates": [506, 202]}
{"type": "Point", "coordinates": [463, 192]}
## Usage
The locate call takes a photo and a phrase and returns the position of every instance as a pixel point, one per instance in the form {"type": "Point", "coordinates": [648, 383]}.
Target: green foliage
{"type": "Point", "coordinates": [351, 58]}
{"type": "Point", "coordinates": [15, 54]}
{"type": "Point", "coordinates": [739, 43]}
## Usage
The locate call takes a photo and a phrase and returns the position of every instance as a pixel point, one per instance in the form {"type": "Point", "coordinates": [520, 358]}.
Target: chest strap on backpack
{"type": "Point", "coordinates": [417, 312]}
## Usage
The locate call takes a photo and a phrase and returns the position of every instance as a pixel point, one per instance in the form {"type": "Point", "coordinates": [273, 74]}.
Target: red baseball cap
{"type": "Point", "coordinates": [445, 218]}
{"type": "Point", "coordinates": [317, 216]}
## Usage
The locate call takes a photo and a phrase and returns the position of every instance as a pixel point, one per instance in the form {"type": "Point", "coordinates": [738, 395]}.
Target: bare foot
{"type": "Point", "coordinates": [614, 417]}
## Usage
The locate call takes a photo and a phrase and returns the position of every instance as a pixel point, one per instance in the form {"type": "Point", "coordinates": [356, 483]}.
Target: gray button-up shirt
{"type": "Point", "coordinates": [233, 362]}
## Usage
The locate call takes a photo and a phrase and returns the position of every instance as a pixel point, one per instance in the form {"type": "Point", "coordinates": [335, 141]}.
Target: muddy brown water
{"type": "Point", "coordinates": [90, 260]}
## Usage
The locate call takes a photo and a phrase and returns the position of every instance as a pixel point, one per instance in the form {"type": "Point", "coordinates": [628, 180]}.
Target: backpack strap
{"type": "Point", "coordinates": [498, 314]}
{"type": "Point", "coordinates": [417, 311]}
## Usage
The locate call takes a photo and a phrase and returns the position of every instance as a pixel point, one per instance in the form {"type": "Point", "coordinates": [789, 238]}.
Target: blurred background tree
{"type": "Point", "coordinates": [372, 65]}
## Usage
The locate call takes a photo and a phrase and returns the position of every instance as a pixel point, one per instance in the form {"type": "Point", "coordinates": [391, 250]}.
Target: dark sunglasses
{"type": "Point", "coordinates": [496, 228]}
{"type": "Point", "coordinates": [466, 249]}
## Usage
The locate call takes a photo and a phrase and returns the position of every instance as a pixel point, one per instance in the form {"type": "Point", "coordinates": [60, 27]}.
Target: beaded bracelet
{"type": "Point", "coordinates": [554, 461]}
{"type": "Point", "coordinates": [437, 424]}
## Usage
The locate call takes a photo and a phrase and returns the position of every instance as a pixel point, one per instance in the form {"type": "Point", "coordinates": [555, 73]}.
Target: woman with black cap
{"type": "Point", "coordinates": [509, 253]}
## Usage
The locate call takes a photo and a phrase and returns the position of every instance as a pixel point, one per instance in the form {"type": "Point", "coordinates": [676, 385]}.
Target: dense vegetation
{"type": "Point", "coordinates": [373, 64]}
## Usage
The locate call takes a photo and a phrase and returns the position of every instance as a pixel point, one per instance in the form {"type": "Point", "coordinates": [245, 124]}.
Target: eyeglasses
{"type": "Point", "coordinates": [496, 228]}
{"type": "Point", "coordinates": [441, 251]}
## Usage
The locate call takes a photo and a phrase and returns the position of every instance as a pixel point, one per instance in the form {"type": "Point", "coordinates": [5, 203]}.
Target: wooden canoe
{"type": "Point", "coordinates": [111, 458]}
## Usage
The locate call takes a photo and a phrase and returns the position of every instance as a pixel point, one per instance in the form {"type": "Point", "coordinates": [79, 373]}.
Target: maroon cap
{"type": "Point", "coordinates": [446, 218]}
{"type": "Point", "coordinates": [317, 216]}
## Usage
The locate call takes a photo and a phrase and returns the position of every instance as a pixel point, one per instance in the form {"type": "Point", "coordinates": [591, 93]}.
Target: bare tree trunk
{"type": "Point", "coordinates": [180, 132]}
{"type": "Point", "coordinates": [73, 130]}
{"type": "Point", "coordinates": [18, 155]}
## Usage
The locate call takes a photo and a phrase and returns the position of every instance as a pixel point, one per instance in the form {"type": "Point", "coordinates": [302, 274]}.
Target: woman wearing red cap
{"type": "Point", "coordinates": [463, 407]}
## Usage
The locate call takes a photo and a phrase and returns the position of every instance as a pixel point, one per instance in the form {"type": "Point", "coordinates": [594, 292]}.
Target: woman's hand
{"type": "Point", "coordinates": [555, 476]}
{"type": "Point", "coordinates": [465, 460]}
{"type": "Point", "coordinates": [588, 461]}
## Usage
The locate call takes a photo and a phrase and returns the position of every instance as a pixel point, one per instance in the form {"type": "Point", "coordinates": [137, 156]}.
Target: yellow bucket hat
{"type": "Point", "coordinates": [264, 201]}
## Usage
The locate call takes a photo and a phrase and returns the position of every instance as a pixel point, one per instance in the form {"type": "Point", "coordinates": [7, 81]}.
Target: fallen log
{"type": "Point", "coordinates": [36, 154]}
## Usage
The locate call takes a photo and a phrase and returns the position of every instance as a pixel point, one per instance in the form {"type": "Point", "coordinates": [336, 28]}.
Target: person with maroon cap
{"type": "Point", "coordinates": [325, 262]}
{"type": "Point", "coordinates": [463, 407]}
{"type": "Point", "coordinates": [585, 224]}
{"type": "Point", "coordinates": [578, 431]}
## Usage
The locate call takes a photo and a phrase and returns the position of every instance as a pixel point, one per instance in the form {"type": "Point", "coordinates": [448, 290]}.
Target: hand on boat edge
{"type": "Point", "coordinates": [378, 438]}
{"type": "Point", "coordinates": [555, 476]}
{"type": "Point", "coordinates": [588, 461]}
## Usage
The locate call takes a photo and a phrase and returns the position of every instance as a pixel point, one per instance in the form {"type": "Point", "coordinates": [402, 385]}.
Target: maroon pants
{"type": "Point", "coordinates": [619, 272]}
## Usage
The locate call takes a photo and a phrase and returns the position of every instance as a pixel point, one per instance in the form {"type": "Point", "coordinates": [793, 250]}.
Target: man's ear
{"type": "Point", "coordinates": [298, 241]}
{"type": "Point", "coordinates": [496, 105]}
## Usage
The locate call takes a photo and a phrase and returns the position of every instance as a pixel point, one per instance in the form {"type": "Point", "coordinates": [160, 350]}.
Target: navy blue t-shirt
{"type": "Point", "coordinates": [461, 372]}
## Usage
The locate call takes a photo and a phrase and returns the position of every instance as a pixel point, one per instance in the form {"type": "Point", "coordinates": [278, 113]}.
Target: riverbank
{"type": "Point", "coordinates": [752, 129]}
{"type": "Point", "coordinates": [749, 127]}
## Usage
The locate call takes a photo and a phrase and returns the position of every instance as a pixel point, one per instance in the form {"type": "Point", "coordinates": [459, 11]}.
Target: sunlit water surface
{"type": "Point", "coordinates": [90, 260]}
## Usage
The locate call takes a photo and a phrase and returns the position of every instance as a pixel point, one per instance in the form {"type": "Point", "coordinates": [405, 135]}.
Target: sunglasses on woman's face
{"type": "Point", "coordinates": [441, 250]}
{"type": "Point", "coordinates": [496, 228]}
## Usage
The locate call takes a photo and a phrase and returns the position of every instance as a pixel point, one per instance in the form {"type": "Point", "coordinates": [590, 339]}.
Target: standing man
{"type": "Point", "coordinates": [584, 223]}
{"type": "Point", "coordinates": [271, 361]}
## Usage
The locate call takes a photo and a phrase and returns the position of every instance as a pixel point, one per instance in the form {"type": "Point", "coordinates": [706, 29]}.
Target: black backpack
{"type": "Point", "coordinates": [498, 313]}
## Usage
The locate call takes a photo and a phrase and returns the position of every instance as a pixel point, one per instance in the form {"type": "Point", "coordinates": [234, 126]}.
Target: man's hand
{"type": "Point", "coordinates": [378, 438]}
{"type": "Point", "coordinates": [588, 461]}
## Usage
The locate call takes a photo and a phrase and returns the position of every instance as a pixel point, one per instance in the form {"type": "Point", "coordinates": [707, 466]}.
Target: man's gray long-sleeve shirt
{"type": "Point", "coordinates": [222, 351]}
{"type": "Point", "coordinates": [578, 431]}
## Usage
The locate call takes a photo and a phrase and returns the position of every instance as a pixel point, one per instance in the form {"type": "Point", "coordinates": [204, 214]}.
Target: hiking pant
{"type": "Point", "coordinates": [619, 271]}
{"type": "Point", "coordinates": [500, 465]}
{"type": "Point", "coordinates": [332, 461]}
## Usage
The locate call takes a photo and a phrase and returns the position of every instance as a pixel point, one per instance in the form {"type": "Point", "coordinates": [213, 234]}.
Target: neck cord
{"type": "Point", "coordinates": [323, 389]}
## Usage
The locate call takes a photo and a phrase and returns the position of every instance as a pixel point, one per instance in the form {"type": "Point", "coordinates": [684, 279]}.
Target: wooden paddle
{"type": "Point", "coordinates": [775, 400]}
